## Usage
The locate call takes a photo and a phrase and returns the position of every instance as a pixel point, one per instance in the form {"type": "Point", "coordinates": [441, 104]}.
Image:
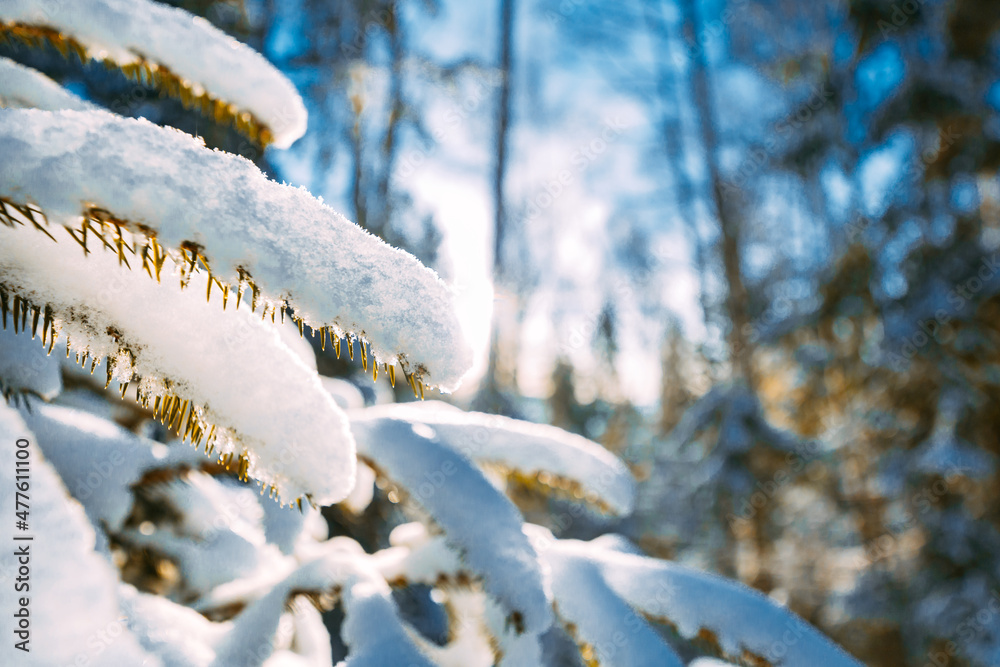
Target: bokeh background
{"type": "Point", "coordinates": [751, 246]}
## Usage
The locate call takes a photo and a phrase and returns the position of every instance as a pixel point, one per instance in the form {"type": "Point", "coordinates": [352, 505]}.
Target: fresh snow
{"type": "Point", "coordinates": [614, 634]}
{"type": "Point", "coordinates": [296, 249]}
{"type": "Point", "coordinates": [372, 629]}
{"type": "Point", "coordinates": [469, 642]}
{"type": "Point", "coordinates": [266, 634]}
{"type": "Point", "coordinates": [285, 529]}
{"type": "Point", "coordinates": [97, 460]}
{"type": "Point", "coordinates": [364, 490]}
{"type": "Point", "coordinates": [23, 87]}
{"type": "Point", "coordinates": [178, 635]}
{"type": "Point", "coordinates": [546, 452]}
{"type": "Point", "coordinates": [72, 589]}
{"type": "Point", "coordinates": [475, 516]}
{"type": "Point", "coordinates": [24, 366]}
{"type": "Point", "coordinates": [218, 533]}
{"type": "Point", "coordinates": [260, 395]}
{"type": "Point", "coordinates": [345, 393]}
{"type": "Point", "coordinates": [740, 618]}
{"type": "Point", "coordinates": [126, 31]}
{"type": "Point", "coordinates": [417, 557]}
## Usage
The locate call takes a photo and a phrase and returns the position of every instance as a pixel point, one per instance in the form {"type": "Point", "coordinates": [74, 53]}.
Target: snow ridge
{"type": "Point", "coordinates": [539, 454]}
{"type": "Point", "coordinates": [178, 52]}
{"type": "Point", "coordinates": [23, 87]}
{"type": "Point", "coordinates": [186, 357]}
{"type": "Point", "coordinates": [158, 192]}
{"type": "Point", "coordinates": [477, 519]}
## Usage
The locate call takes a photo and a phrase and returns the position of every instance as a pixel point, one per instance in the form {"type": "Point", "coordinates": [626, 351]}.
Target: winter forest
{"type": "Point", "coordinates": [402, 333]}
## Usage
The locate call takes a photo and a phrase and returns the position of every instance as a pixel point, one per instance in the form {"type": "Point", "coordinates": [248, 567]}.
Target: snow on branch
{"type": "Point", "coordinates": [220, 379]}
{"type": "Point", "coordinates": [168, 48]}
{"type": "Point", "coordinates": [737, 622]}
{"type": "Point", "coordinates": [70, 587]}
{"type": "Point", "coordinates": [477, 519]}
{"type": "Point", "coordinates": [373, 632]}
{"type": "Point", "coordinates": [23, 87]}
{"type": "Point", "coordinates": [537, 455]}
{"type": "Point", "coordinates": [25, 368]}
{"type": "Point", "coordinates": [149, 193]}
{"type": "Point", "coordinates": [607, 630]}
{"type": "Point", "coordinates": [479, 634]}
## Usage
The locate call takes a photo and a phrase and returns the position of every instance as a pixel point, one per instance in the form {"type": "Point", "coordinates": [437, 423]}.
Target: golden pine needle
{"type": "Point", "coordinates": [188, 426]}
{"type": "Point", "coordinates": [152, 252]}
{"type": "Point", "coordinates": [120, 247]}
{"type": "Point", "coordinates": [31, 216]}
{"type": "Point", "coordinates": [144, 253]}
{"type": "Point", "coordinates": [82, 239]}
{"type": "Point", "coordinates": [165, 409]}
{"type": "Point", "coordinates": [158, 258]}
{"type": "Point", "coordinates": [178, 420]}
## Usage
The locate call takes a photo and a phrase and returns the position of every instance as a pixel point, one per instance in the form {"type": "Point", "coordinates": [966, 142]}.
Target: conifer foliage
{"type": "Point", "coordinates": [179, 453]}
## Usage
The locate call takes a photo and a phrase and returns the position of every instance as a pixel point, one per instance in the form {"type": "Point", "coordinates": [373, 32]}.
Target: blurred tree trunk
{"type": "Point", "coordinates": [397, 109]}
{"type": "Point", "coordinates": [727, 210]}
{"type": "Point", "coordinates": [503, 125]}
{"type": "Point", "coordinates": [670, 101]}
{"type": "Point", "coordinates": [490, 397]}
{"type": "Point", "coordinates": [357, 177]}
{"type": "Point", "coordinates": [727, 213]}
{"type": "Point", "coordinates": [674, 396]}
{"type": "Point", "coordinates": [371, 178]}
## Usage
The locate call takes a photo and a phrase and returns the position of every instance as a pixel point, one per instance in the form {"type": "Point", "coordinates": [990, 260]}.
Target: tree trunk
{"type": "Point", "coordinates": [491, 387]}
{"type": "Point", "coordinates": [727, 209]}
